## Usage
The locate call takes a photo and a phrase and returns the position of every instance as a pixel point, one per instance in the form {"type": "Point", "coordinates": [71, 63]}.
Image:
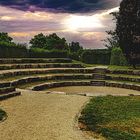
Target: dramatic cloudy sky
{"type": "Point", "coordinates": [77, 20]}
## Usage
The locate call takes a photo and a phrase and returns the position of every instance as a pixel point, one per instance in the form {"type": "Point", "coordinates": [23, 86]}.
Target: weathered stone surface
{"type": "Point", "coordinates": [123, 85]}
{"type": "Point", "coordinates": [41, 65]}
{"type": "Point", "coordinates": [10, 73]}
{"type": "Point", "coordinates": [4, 84]}
{"type": "Point", "coordinates": [6, 90]}
{"type": "Point", "coordinates": [34, 60]}
{"type": "Point", "coordinates": [129, 72]}
{"type": "Point", "coordinates": [122, 78]}
{"type": "Point", "coordinates": [60, 84]}
{"type": "Point", "coordinates": [51, 77]}
{"type": "Point", "coordinates": [9, 95]}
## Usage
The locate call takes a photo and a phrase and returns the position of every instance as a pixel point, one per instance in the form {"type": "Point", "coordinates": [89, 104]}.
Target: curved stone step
{"type": "Point", "coordinates": [9, 95]}
{"type": "Point", "coordinates": [97, 83]}
{"type": "Point", "coordinates": [123, 85]}
{"type": "Point", "coordinates": [99, 76]}
{"type": "Point", "coordinates": [34, 60]}
{"type": "Point", "coordinates": [127, 72]}
{"type": "Point", "coordinates": [40, 65]}
{"type": "Point", "coordinates": [60, 84]}
{"type": "Point", "coordinates": [4, 84]}
{"type": "Point", "coordinates": [122, 78]}
{"type": "Point", "coordinates": [19, 72]}
{"type": "Point", "coordinates": [6, 90]}
{"type": "Point", "coordinates": [100, 70]}
{"type": "Point", "coordinates": [26, 80]}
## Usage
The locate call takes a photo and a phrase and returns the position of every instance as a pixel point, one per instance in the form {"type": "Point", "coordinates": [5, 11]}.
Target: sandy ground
{"type": "Point", "coordinates": [92, 90]}
{"type": "Point", "coordinates": [42, 117]}
{"type": "Point", "coordinates": [34, 116]}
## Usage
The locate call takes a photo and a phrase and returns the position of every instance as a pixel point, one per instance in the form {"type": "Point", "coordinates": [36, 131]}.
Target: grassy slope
{"type": "Point", "coordinates": [2, 114]}
{"type": "Point", "coordinates": [116, 118]}
{"type": "Point", "coordinates": [113, 67]}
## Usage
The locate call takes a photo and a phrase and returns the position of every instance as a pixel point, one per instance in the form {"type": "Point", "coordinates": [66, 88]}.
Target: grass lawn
{"type": "Point", "coordinates": [113, 67]}
{"type": "Point", "coordinates": [2, 114]}
{"type": "Point", "coordinates": [115, 118]}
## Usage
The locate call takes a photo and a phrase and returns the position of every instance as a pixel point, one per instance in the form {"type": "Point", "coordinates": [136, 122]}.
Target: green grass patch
{"type": "Point", "coordinates": [115, 118]}
{"type": "Point", "coordinates": [123, 82]}
{"type": "Point", "coordinates": [113, 67]}
{"type": "Point", "coordinates": [87, 65]}
{"type": "Point", "coordinates": [123, 75]}
{"type": "Point", "coordinates": [2, 114]}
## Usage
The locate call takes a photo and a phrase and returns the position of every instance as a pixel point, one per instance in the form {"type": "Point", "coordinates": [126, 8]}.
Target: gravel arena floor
{"type": "Point", "coordinates": [41, 116]}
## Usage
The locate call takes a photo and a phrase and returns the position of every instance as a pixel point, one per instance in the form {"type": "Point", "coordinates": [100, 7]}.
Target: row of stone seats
{"type": "Point", "coordinates": [34, 60]}
{"type": "Point", "coordinates": [27, 80]}
{"type": "Point", "coordinates": [68, 74]}
{"type": "Point", "coordinates": [21, 72]}
{"type": "Point", "coordinates": [48, 85]}
{"type": "Point", "coordinates": [116, 77]}
{"type": "Point", "coordinates": [40, 65]}
{"type": "Point", "coordinates": [125, 72]}
{"type": "Point", "coordinates": [8, 92]}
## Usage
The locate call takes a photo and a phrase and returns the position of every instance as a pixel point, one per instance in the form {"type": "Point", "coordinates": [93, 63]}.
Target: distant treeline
{"type": "Point", "coordinates": [53, 46]}
{"type": "Point", "coordinates": [7, 50]}
{"type": "Point", "coordinates": [20, 51]}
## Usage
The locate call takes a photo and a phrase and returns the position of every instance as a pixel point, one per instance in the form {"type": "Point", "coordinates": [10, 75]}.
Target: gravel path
{"type": "Point", "coordinates": [42, 117]}
{"type": "Point", "coordinates": [34, 116]}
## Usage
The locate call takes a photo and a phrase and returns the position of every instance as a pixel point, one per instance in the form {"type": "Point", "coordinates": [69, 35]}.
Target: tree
{"type": "Point", "coordinates": [4, 37]}
{"type": "Point", "coordinates": [112, 39]}
{"type": "Point", "coordinates": [39, 41]}
{"type": "Point", "coordinates": [55, 42]}
{"type": "Point", "coordinates": [128, 30]}
{"type": "Point", "coordinates": [75, 47]}
{"type": "Point", "coordinates": [117, 57]}
{"type": "Point", "coordinates": [75, 50]}
{"type": "Point", "coordinates": [50, 42]}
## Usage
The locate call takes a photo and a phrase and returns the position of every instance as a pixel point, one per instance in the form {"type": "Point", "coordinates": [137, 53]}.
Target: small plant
{"type": "Point", "coordinates": [2, 114]}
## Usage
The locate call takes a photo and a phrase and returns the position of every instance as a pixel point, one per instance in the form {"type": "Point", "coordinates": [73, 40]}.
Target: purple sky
{"type": "Point", "coordinates": [75, 20]}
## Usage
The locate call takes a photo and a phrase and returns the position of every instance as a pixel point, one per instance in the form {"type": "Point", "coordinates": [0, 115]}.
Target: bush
{"type": "Point", "coordinates": [2, 114]}
{"type": "Point", "coordinates": [101, 56]}
{"type": "Point", "coordinates": [117, 57]}
{"type": "Point", "coordinates": [12, 50]}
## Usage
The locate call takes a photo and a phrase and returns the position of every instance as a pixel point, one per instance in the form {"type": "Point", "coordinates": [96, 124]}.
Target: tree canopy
{"type": "Point", "coordinates": [50, 42]}
{"type": "Point", "coordinates": [4, 37]}
{"type": "Point", "coordinates": [128, 30]}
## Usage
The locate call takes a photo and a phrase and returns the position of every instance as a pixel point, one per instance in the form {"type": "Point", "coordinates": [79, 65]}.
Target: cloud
{"type": "Point", "coordinates": [66, 6]}
{"type": "Point", "coordinates": [23, 25]}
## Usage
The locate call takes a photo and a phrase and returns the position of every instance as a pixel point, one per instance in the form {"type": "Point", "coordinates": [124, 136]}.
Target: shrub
{"type": "Point", "coordinates": [101, 56]}
{"type": "Point", "coordinates": [117, 57]}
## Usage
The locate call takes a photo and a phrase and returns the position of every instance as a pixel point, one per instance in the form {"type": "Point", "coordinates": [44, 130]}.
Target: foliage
{"type": "Point", "coordinates": [39, 41]}
{"type": "Point", "coordinates": [55, 42]}
{"type": "Point", "coordinates": [101, 56]}
{"type": "Point", "coordinates": [75, 47]}
{"type": "Point", "coordinates": [128, 30]}
{"type": "Point", "coordinates": [116, 118]}
{"type": "Point", "coordinates": [112, 39]}
{"type": "Point", "coordinates": [4, 37]}
{"type": "Point", "coordinates": [2, 114]}
{"type": "Point", "coordinates": [49, 42]}
{"type": "Point", "coordinates": [12, 50]}
{"type": "Point", "coordinates": [75, 50]}
{"type": "Point", "coordinates": [117, 57]}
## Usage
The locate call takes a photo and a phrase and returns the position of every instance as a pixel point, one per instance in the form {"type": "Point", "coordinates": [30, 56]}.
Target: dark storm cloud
{"type": "Point", "coordinates": [68, 6]}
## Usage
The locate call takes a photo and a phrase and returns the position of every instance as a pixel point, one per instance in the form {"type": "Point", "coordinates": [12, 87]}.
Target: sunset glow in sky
{"type": "Point", "coordinates": [77, 20]}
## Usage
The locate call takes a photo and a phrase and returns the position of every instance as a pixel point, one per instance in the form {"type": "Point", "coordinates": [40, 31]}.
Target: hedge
{"type": "Point", "coordinates": [18, 51]}
{"type": "Point", "coordinates": [101, 56]}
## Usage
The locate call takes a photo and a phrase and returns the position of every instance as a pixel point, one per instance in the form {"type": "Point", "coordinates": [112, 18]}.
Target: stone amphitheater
{"type": "Point", "coordinates": [49, 94]}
